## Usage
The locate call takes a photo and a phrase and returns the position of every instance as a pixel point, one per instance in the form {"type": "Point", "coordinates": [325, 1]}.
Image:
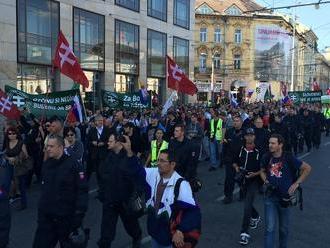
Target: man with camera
{"type": "Point", "coordinates": [122, 180]}
{"type": "Point", "coordinates": [247, 167]}
{"type": "Point", "coordinates": [282, 174]}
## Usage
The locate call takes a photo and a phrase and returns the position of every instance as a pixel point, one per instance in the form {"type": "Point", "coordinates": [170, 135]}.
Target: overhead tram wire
{"type": "Point", "coordinates": [287, 7]}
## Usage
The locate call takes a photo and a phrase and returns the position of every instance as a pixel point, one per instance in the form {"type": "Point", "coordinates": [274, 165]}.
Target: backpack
{"type": "Point", "coordinates": [190, 237]}
{"type": "Point", "coordinates": [287, 157]}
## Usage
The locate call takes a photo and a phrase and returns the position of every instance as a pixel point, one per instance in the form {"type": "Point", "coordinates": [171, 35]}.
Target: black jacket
{"type": "Point", "coordinates": [235, 140]}
{"type": "Point", "coordinates": [64, 189]}
{"type": "Point", "coordinates": [121, 176]}
{"type": "Point", "coordinates": [262, 140]}
{"type": "Point", "coordinates": [95, 152]}
{"type": "Point", "coordinates": [183, 154]}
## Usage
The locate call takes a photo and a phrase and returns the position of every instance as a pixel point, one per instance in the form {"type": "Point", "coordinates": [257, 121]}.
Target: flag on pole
{"type": "Point", "coordinates": [144, 95]}
{"type": "Point", "coordinates": [67, 62]}
{"type": "Point", "coordinates": [7, 108]}
{"type": "Point", "coordinates": [169, 102]}
{"type": "Point", "coordinates": [75, 113]}
{"type": "Point", "coordinates": [177, 80]}
{"type": "Point", "coordinates": [233, 101]}
{"type": "Point", "coordinates": [316, 86]}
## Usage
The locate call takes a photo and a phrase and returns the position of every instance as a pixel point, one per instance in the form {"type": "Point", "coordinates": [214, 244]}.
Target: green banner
{"type": "Point", "coordinates": [54, 103]}
{"type": "Point", "coordinates": [298, 97]}
{"type": "Point", "coordinates": [124, 100]}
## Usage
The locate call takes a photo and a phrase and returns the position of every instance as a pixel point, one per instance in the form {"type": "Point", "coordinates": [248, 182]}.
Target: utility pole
{"type": "Point", "coordinates": [293, 50]}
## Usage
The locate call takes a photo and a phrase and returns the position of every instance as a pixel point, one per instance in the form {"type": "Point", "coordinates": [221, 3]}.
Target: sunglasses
{"type": "Point", "coordinates": [47, 125]}
{"type": "Point", "coordinates": [70, 135]}
{"type": "Point", "coordinates": [11, 133]}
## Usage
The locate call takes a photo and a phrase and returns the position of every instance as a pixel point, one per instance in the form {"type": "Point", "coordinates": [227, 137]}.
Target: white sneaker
{"type": "Point", "coordinates": [254, 222]}
{"type": "Point", "coordinates": [244, 238]}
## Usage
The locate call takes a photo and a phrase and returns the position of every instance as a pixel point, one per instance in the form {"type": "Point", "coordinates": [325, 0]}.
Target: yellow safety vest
{"type": "Point", "coordinates": [327, 113]}
{"type": "Point", "coordinates": [154, 154]}
{"type": "Point", "coordinates": [218, 132]}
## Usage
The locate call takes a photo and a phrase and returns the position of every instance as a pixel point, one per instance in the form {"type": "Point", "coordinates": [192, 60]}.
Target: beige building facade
{"type": "Point", "coordinates": [121, 44]}
{"type": "Point", "coordinates": [237, 49]}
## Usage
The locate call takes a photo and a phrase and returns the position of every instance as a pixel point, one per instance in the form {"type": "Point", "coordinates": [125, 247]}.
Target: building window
{"type": "Point", "coordinates": [34, 79]}
{"type": "Point", "coordinates": [89, 39]}
{"type": "Point", "coordinates": [237, 62]}
{"type": "Point", "coordinates": [204, 9]}
{"type": "Point", "coordinates": [238, 36]}
{"type": "Point", "coordinates": [181, 13]}
{"type": "Point", "coordinates": [233, 10]}
{"type": "Point", "coordinates": [126, 56]}
{"type": "Point", "coordinates": [158, 9]}
{"type": "Point", "coordinates": [181, 53]}
{"type": "Point", "coordinates": [202, 63]}
{"type": "Point", "coordinates": [37, 30]}
{"type": "Point", "coordinates": [127, 48]}
{"type": "Point", "coordinates": [156, 54]}
{"type": "Point", "coordinates": [217, 35]}
{"type": "Point", "coordinates": [130, 4]}
{"type": "Point", "coordinates": [216, 62]}
{"type": "Point", "coordinates": [203, 34]}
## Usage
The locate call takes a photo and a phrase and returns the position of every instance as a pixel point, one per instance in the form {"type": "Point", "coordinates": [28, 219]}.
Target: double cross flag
{"type": "Point", "coordinates": [177, 80]}
{"type": "Point", "coordinates": [7, 108]}
{"type": "Point", "coordinates": [67, 62]}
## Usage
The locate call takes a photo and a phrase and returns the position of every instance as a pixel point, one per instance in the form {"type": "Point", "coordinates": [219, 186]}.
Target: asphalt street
{"type": "Point", "coordinates": [221, 223]}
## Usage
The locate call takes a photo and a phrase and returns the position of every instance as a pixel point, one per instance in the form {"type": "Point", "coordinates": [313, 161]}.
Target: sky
{"type": "Point", "coordinates": [317, 19]}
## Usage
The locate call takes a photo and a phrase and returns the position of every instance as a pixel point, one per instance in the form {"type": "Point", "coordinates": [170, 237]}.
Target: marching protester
{"type": "Point", "coordinates": [216, 136]}
{"type": "Point", "coordinates": [282, 174]}
{"type": "Point", "coordinates": [73, 146]}
{"type": "Point", "coordinates": [121, 178]}
{"type": "Point", "coordinates": [17, 156]}
{"type": "Point", "coordinates": [233, 141]}
{"type": "Point", "coordinates": [157, 145]}
{"type": "Point", "coordinates": [63, 199]}
{"type": "Point", "coordinates": [247, 167]}
{"type": "Point", "coordinates": [97, 140]}
{"type": "Point", "coordinates": [6, 173]}
{"type": "Point", "coordinates": [174, 219]}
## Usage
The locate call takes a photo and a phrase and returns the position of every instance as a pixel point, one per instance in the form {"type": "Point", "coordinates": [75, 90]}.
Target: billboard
{"type": "Point", "coordinates": [272, 53]}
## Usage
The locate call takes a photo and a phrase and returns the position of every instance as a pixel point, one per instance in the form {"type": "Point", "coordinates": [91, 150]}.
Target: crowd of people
{"type": "Point", "coordinates": [139, 157]}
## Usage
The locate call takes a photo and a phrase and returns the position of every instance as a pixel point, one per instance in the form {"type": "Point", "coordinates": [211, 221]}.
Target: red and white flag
{"type": "Point", "coordinates": [316, 86]}
{"type": "Point", "coordinates": [177, 80]}
{"type": "Point", "coordinates": [67, 62]}
{"type": "Point", "coordinates": [7, 108]}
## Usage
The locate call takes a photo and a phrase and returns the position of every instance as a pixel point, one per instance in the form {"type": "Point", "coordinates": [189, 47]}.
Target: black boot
{"type": "Point", "coordinates": [136, 243]}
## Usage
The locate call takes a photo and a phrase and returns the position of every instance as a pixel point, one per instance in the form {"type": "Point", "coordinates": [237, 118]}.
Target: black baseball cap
{"type": "Point", "coordinates": [249, 131]}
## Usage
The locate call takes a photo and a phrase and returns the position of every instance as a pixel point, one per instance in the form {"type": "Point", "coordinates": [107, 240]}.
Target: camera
{"type": "Point", "coordinates": [269, 189]}
{"type": "Point", "coordinates": [240, 176]}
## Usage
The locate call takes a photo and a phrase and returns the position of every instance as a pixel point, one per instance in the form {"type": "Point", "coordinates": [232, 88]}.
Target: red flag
{"type": "Point", "coordinates": [67, 62]}
{"type": "Point", "coordinates": [316, 86]}
{"type": "Point", "coordinates": [7, 108]}
{"type": "Point", "coordinates": [177, 80]}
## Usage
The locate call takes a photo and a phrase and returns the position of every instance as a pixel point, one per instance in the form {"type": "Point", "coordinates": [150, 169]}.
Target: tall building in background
{"type": "Point", "coordinates": [238, 48]}
{"type": "Point", "coordinates": [121, 44]}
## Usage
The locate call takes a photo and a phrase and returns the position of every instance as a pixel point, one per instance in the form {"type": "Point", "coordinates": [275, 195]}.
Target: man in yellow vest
{"type": "Point", "coordinates": [157, 145]}
{"type": "Point", "coordinates": [326, 113]}
{"type": "Point", "coordinates": [216, 136]}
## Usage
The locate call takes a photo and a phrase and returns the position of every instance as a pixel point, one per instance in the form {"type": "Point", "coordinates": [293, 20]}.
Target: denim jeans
{"type": "Point", "coordinates": [273, 210]}
{"type": "Point", "coordinates": [154, 244]}
{"type": "Point", "coordinates": [215, 148]}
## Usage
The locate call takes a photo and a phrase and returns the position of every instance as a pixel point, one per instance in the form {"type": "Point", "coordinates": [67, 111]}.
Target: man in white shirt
{"type": "Point", "coordinates": [162, 201]}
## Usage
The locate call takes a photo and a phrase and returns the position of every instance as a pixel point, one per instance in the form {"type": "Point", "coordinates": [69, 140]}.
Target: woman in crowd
{"type": "Point", "coordinates": [17, 156]}
{"type": "Point", "coordinates": [157, 145]}
{"type": "Point", "coordinates": [73, 147]}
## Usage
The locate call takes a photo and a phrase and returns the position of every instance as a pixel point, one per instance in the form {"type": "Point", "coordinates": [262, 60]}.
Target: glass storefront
{"type": "Point", "coordinates": [34, 79]}
{"type": "Point", "coordinates": [126, 56]}
{"type": "Point", "coordinates": [37, 30]}
{"type": "Point", "coordinates": [89, 39]}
